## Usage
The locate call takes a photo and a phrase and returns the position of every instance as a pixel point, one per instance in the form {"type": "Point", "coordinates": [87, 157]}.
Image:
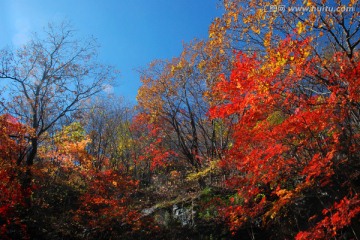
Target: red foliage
{"type": "Point", "coordinates": [336, 218]}
{"type": "Point", "coordinates": [12, 147]}
{"type": "Point", "coordinates": [151, 141]}
{"type": "Point", "coordinates": [292, 119]}
{"type": "Point", "coordinates": [105, 204]}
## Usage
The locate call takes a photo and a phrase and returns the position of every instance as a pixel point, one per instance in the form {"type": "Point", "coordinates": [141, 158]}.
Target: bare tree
{"type": "Point", "coordinates": [50, 77]}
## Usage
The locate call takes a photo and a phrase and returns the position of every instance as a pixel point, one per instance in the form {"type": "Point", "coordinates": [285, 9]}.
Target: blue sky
{"type": "Point", "coordinates": [131, 33]}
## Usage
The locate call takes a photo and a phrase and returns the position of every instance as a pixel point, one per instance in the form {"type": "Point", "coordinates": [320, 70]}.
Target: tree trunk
{"type": "Point", "coordinates": [32, 154]}
{"type": "Point", "coordinates": [27, 177]}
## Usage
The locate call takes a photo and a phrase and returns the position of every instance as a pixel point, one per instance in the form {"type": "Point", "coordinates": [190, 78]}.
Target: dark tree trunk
{"type": "Point", "coordinates": [32, 154]}
{"type": "Point", "coordinates": [27, 177]}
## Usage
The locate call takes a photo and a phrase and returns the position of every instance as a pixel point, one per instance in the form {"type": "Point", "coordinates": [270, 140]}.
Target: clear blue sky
{"type": "Point", "coordinates": [131, 33]}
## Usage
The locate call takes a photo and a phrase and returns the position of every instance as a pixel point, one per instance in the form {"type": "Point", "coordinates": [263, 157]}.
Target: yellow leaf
{"type": "Point", "coordinates": [309, 3]}
{"type": "Point", "coordinates": [267, 39]}
{"type": "Point", "coordinates": [255, 30]}
{"type": "Point", "coordinates": [300, 27]}
{"type": "Point", "coordinates": [201, 64]}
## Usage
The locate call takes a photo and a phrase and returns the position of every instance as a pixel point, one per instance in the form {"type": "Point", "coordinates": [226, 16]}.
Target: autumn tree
{"type": "Point", "coordinates": [175, 97]}
{"type": "Point", "coordinates": [13, 144]}
{"type": "Point", "coordinates": [50, 77]}
{"type": "Point", "coordinates": [95, 202]}
{"type": "Point", "coordinates": [108, 125]}
{"type": "Point", "coordinates": [251, 27]}
{"type": "Point", "coordinates": [296, 104]}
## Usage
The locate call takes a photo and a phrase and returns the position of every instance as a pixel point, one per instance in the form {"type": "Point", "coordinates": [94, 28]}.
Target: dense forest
{"type": "Point", "coordinates": [253, 133]}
